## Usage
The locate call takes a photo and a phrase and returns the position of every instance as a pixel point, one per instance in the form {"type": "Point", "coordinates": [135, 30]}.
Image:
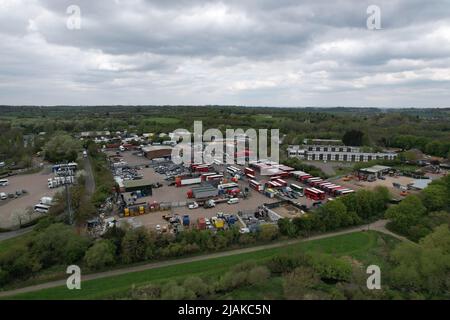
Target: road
{"type": "Point", "coordinates": [379, 226]}
{"type": "Point", "coordinates": [15, 233]}
{"type": "Point", "coordinates": [90, 181]}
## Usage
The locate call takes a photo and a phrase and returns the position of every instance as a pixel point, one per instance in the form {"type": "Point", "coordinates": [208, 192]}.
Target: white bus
{"type": "Point", "coordinates": [41, 208]}
{"type": "Point", "coordinates": [296, 187]}
{"type": "Point", "coordinates": [233, 170]}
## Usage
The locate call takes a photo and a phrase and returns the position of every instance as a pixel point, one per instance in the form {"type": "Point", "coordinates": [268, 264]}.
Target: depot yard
{"type": "Point", "coordinates": [177, 196]}
{"type": "Point", "coordinates": [36, 187]}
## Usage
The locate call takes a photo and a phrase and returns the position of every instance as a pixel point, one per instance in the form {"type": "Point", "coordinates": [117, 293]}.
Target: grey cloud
{"type": "Point", "coordinates": [258, 52]}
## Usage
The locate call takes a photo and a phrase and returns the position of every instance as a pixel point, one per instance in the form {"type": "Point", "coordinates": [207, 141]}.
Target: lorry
{"type": "Point", "coordinates": [46, 200]}
{"type": "Point", "coordinates": [186, 182]}
{"type": "Point", "coordinates": [202, 192]}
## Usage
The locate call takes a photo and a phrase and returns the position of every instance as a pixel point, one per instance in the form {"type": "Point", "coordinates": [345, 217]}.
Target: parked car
{"type": "Point", "coordinates": [3, 196]}
{"type": "Point", "coordinates": [193, 205]}
{"type": "Point", "coordinates": [244, 230]}
{"type": "Point", "coordinates": [233, 201]}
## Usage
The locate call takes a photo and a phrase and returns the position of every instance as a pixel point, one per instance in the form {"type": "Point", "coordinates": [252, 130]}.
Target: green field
{"type": "Point", "coordinates": [363, 246]}
{"type": "Point", "coordinates": [6, 245]}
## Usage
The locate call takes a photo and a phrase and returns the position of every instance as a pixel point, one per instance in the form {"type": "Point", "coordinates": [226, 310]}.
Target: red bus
{"type": "Point", "coordinates": [285, 174]}
{"type": "Point", "coordinates": [273, 185]}
{"type": "Point", "coordinates": [315, 183]}
{"type": "Point", "coordinates": [275, 178]}
{"type": "Point", "coordinates": [282, 182]}
{"type": "Point", "coordinates": [331, 189]}
{"type": "Point", "coordinates": [314, 194]}
{"type": "Point", "coordinates": [305, 177]}
{"type": "Point", "coordinates": [255, 185]}
{"type": "Point", "coordinates": [214, 177]}
{"type": "Point", "coordinates": [248, 171]}
{"type": "Point", "coordinates": [324, 184]}
{"type": "Point", "coordinates": [251, 177]}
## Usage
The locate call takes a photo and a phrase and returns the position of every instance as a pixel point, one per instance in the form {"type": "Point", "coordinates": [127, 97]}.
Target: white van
{"type": "Point", "coordinates": [4, 182]}
{"type": "Point", "coordinates": [3, 196]}
{"type": "Point", "coordinates": [233, 201]}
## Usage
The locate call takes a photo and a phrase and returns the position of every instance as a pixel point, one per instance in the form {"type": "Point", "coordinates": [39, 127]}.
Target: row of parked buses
{"type": "Point", "coordinates": [318, 184]}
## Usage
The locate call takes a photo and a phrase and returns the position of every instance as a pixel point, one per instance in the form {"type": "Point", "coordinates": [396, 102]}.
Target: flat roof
{"type": "Point", "coordinates": [155, 148]}
{"type": "Point", "coordinates": [136, 183]}
{"type": "Point", "coordinates": [421, 183]}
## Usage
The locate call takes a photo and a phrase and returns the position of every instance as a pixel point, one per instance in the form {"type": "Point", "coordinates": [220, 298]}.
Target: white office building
{"type": "Point", "coordinates": [336, 153]}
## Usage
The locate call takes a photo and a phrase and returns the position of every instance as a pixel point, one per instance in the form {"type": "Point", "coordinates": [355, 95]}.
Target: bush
{"type": "Point", "coordinates": [196, 285]}
{"type": "Point", "coordinates": [173, 291]}
{"type": "Point", "coordinates": [147, 292]}
{"type": "Point", "coordinates": [258, 274]}
{"type": "Point", "coordinates": [100, 255]}
{"type": "Point", "coordinates": [329, 268]}
{"type": "Point", "coordinates": [268, 232]}
{"type": "Point", "coordinates": [284, 263]}
{"type": "Point", "coordinates": [298, 283]}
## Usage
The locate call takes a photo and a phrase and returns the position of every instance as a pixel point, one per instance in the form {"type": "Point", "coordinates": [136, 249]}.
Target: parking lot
{"type": "Point", "coordinates": [36, 186]}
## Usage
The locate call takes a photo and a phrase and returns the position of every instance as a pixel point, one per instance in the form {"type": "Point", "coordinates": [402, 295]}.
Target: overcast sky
{"type": "Point", "coordinates": [240, 52]}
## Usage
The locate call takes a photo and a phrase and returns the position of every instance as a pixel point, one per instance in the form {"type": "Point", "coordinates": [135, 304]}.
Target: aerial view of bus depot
{"type": "Point", "coordinates": [278, 196]}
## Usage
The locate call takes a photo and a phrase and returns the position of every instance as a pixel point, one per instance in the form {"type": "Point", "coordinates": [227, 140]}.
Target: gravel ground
{"type": "Point", "coordinates": [357, 185]}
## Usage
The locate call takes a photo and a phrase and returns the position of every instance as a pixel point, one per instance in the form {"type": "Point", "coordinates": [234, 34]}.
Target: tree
{"type": "Point", "coordinates": [62, 147]}
{"type": "Point", "coordinates": [59, 244]}
{"type": "Point", "coordinates": [423, 267]}
{"type": "Point", "coordinates": [100, 255]}
{"type": "Point", "coordinates": [353, 138]}
{"type": "Point", "coordinates": [440, 238]}
{"type": "Point", "coordinates": [435, 197]}
{"type": "Point", "coordinates": [406, 214]}
{"type": "Point", "coordinates": [137, 245]}
{"type": "Point", "coordinates": [268, 232]}
{"type": "Point", "coordinates": [286, 227]}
